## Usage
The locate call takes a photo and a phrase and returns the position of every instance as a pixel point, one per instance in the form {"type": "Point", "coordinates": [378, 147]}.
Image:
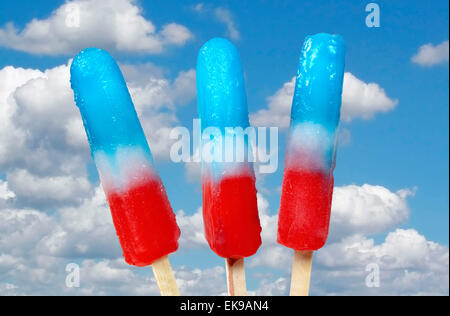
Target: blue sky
{"type": "Point", "coordinates": [392, 162]}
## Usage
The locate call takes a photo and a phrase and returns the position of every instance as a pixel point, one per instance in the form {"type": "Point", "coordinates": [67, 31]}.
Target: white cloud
{"type": "Point", "coordinates": [225, 16]}
{"type": "Point", "coordinates": [210, 281]}
{"type": "Point", "coordinates": [38, 107]}
{"type": "Point", "coordinates": [271, 254]}
{"type": "Point", "coordinates": [43, 145]}
{"type": "Point", "coordinates": [44, 154]}
{"type": "Point", "coordinates": [114, 277]}
{"type": "Point", "coordinates": [21, 229]}
{"type": "Point", "coordinates": [150, 91]}
{"type": "Point", "coordinates": [84, 231]}
{"type": "Point", "coordinates": [367, 209]}
{"type": "Point", "coordinates": [41, 150]}
{"type": "Point", "coordinates": [192, 230]}
{"type": "Point", "coordinates": [43, 275]}
{"type": "Point", "coordinates": [5, 192]}
{"type": "Point", "coordinates": [156, 99]}
{"type": "Point", "coordinates": [409, 265]}
{"type": "Point", "coordinates": [8, 289]}
{"type": "Point", "coordinates": [279, 108]}
{"type": "Point", "coordinates": [75, 136]}
{"type": "Point", "coordinates": [111, 24]}
{"type": "Point", "coordinates": [270, 286]}
{"type": "Point", "coordinates": [176, 34]}
{"type": "Point", "coordinates": [402, 248]}
{"type": "Point", "coordinates": [363, 100]}
{"type": "Point", "coordinates": [10, 138]}
{"type": "Point", "coordinates": [430, 55]}
{"type": "Point", "coordinates": [48, 191]}
{"type": "Point", "coordinates": [43, 158]}
{"type": "Point", "coordinates": [405, 257]}
{"type": "Point", "coordinates": [359, 100]}
{"type": "Point", "coordinates": [35, 248]}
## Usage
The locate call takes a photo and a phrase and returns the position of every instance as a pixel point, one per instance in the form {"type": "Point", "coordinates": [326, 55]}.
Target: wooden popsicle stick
{"type": "Point", "coordinates": [235, 277]}
{"type": "Point", "coordinates": [301, 273]}
{"type": "Point", "coordinates": [165, 277]}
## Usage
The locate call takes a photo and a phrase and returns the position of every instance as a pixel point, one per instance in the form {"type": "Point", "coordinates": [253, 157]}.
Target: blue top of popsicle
{"type": "Point", "coordinates": [318, 88]}
{"type": "Point", "coordinates": [221, 96]}
{"type": "Point", "coordinates": [102, 96]}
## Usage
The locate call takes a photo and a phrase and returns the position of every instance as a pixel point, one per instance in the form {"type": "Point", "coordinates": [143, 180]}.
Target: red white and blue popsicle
{"type": "Point", "coordinates": [310, 158]}
{"type": "Point", "coordinates": [230, 210]}
{"type": "Point", "coordinates": [141, 212]}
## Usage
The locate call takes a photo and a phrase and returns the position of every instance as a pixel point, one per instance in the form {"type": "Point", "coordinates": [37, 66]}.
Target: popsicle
{"type": "Point", "coordinates": [230, 212]}
{"type": "Point", "coordinates": [310, 156]}
{"type": "Point", "coordinates": [141, 212]}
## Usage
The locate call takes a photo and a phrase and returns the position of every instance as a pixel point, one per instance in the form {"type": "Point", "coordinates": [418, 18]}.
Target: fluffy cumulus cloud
{"type": "Point", "coordinates": [221, 14]}
{"type": "Point", "coordinates": [359, 100]}
{"type": "Point", "coordinates": [38, 113]}
{"type": "Point", "coordinates": [192, 230]}
{"type": "Point", "coordinates": [272, 286]}
{"type": "Point", "coordinates": [43, 146]}
{"type": "Point", "coordinates": [51, 213]}
{"type": "Point", "coordinates": [82, 231]}
{"type": "Point", "coordinates": [47, 190]}
{"type": "Point", "coordinates": [430, 55]}
{"type": "Point", "coordinates": [156, 99]}
{"type": "Point", "coordinates": [279, 108]}
{"type": "Point", "coordinates": [114, 277]}
{"type": "Point", "coordinates": [21, 229]}
{"type": "Point", "coordinates": [408, 263]}
{"type": "Point", "coordinates": [112, 24]}
{"type": "Point", "coordinates": [225, 16]}
{"type": "Point", "coordinates": [363, 100]}
{"type": "Point", "coordinates": [271, 253]}
{"type": "Point", "coordinates": [367, 209]}
{"type": "Point", "coordinates": [5, 192]}
{"type": "Point", "coordinates": [36, 247]}
{"type": "Point", "coordinates": [104, 277]}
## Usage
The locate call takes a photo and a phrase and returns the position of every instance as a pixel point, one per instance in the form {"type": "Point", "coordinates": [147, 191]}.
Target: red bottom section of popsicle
{"type": "Point", "coordinates": [145, 222]}
{"type": "Point", "coordinates": [230, 215]}
{"type": "Point", "coordinates": [305, 208]}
